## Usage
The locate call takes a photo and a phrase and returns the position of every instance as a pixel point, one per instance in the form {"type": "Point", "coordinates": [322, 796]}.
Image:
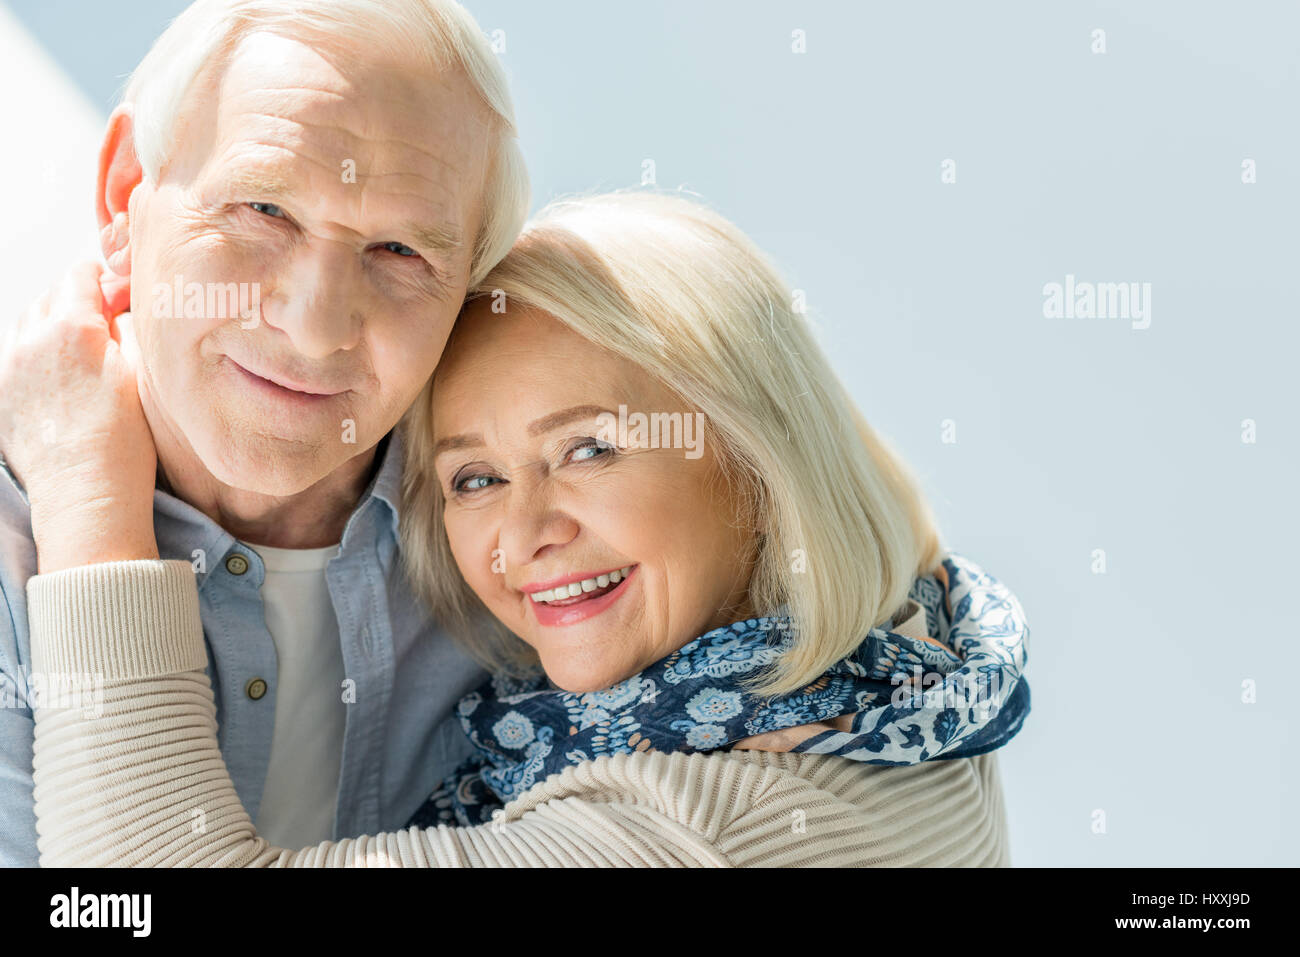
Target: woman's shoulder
{"type": "Point", "coordinates": [786, 809]}
{"type": "Point", "coordinates": [939, 813]}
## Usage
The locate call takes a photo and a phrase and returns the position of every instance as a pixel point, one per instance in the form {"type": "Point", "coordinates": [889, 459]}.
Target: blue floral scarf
{"type": "Point", "coordinates": [895, 700]}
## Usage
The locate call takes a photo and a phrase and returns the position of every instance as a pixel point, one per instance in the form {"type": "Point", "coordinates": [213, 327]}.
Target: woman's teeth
{"type": "Point", "coordinates": [574, 589]}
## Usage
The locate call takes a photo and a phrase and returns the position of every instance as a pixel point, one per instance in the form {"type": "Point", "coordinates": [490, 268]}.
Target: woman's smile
{"type": "Point", "coordinates": [553, 609]}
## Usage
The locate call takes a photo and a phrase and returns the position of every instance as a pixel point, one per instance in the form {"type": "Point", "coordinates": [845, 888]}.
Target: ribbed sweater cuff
{"type": "Point", "coordinates": [119, 620]}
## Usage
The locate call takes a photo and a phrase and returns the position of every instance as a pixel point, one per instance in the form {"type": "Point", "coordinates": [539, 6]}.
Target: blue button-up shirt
{"type": "Point", "coordinates": [404, 674]}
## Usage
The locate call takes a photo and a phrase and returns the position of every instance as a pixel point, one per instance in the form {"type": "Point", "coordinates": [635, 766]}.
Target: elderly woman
{"type": "Point", "coordinates": [721, 625]}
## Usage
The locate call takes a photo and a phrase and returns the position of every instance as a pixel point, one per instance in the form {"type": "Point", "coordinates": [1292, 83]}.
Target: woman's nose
{"type": "Point", "coordinates": [534, 521]}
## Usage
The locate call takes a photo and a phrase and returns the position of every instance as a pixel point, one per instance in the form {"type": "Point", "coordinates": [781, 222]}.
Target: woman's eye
{"type": "Point", "coordinates": [472, 483]}
{"type": "Point", "coordinates": [268, 209]}
{"type": "Point", "coordinates": [400, 249]}
{"type": "Point", "coordinates": [596, 448]}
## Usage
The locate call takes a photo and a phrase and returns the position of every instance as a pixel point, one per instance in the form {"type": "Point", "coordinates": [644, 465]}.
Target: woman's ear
{"type": "Point", "coordinates": [119, 174]}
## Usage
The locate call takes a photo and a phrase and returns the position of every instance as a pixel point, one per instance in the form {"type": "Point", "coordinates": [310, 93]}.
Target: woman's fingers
{"type": "Point", "coordinates": [117, 293]}
{"type": "Point", "coordinates": [78, 297]}
{"type": "Point", "coordinates": [72, 426]}
{"type": "Point", "coordinates": [31, 317]}
{"type": "Point", "coordinates": [75, 297]}
{"type": "Point", "coordinates": [124, 329]}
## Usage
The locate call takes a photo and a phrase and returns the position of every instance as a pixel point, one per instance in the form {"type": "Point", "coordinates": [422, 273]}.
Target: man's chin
{"type": "Point", "coordinates": [266, 464]}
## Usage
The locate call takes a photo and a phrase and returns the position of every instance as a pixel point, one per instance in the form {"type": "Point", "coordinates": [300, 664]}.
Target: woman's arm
{"type": "Point", "coordinates": [71, 423]}
{"type": "Point", "coordinates": [133, 774]}
{"type": "Point", "coordinates": [135, 777]}
{"type": "Point", "coordinates": [128, 772]}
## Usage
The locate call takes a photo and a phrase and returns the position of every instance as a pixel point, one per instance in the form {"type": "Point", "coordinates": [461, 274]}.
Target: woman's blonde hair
{"type": "Point", "coordinates": [662, 280]}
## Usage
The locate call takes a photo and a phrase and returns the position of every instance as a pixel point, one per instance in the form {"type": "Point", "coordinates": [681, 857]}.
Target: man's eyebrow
{"type": "Point", "coordinates": [256, 183]}
{"type": "Point", "coordinates": [546, 423]}
{"type": "Point", "coordinates": [443, 238]}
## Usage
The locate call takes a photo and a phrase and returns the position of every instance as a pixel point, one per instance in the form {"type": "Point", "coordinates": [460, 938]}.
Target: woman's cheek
{"type": "Point", "coordinates": [472, 552]}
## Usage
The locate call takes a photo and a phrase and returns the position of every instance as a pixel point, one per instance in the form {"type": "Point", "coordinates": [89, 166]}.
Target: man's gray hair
{"type": "Point", "coordinates": [438, 33]}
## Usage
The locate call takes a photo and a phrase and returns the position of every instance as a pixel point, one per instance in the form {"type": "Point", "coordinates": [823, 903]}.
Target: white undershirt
{"type": "Point", "coordinates": [298, 801]}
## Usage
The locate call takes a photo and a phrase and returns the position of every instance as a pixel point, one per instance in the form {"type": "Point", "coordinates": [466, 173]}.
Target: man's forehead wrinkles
{"type": "Point", "coordinates": [412, 199]}
{"type": "Point", "coordinates": [247, 160]}
{"type": "Point", "coordinates": [369, 143]}
{"type": "Point", "coordinates": [343, 96]}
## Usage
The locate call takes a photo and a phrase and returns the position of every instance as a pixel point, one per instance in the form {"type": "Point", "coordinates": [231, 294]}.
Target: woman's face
{"type": "Point", "coordinates": [537, 498]}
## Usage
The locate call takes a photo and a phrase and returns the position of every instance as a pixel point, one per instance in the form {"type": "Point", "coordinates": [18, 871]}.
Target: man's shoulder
{"type": "Point", "coordinates": [12, 494]}
{"type": "Point", "coordinates": [17, 547]}
{"type": "Point", "coordinates": [17, 565]}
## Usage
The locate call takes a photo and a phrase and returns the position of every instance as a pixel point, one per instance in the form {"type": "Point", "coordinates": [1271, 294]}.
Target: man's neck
{"type": "Point", "coordinates": [312, 518]}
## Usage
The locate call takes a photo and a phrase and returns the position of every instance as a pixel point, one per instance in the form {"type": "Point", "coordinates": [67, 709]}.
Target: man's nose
{"type": "Point", "coordinates": [315, 301]}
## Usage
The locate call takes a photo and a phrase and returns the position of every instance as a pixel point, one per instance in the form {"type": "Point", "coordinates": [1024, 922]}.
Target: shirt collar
{"type": "Point", "coordinates": [387, 483]}
{"type": "Point", "coordinates": [181, 527]}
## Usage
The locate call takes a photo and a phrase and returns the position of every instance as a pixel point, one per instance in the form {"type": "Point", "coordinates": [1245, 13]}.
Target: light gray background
{"type": "Point", "coordinates": [1072, 435]}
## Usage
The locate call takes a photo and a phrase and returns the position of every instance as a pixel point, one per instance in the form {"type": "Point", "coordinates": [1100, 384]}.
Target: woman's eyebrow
{"type": "Point", "coordinates": [449, 443]}
{"type": "Point", "coordinates": [556, 419]}
{"type": "Point", "coordinates": [546, 423]}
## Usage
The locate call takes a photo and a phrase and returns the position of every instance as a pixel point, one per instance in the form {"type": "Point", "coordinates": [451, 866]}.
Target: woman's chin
{"type": "Point", "coordinates": [582, 680]}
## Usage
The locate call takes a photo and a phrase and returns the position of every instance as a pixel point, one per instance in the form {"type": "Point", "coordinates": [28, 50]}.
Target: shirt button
{"type": "Point", "coordinates": [255, 688]}
{"type": "Point", "coordinates": [237, 564]}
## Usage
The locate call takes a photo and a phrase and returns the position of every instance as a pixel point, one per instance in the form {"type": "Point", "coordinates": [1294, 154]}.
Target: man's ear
{"type": "Point", "coordinates": [119, 175]}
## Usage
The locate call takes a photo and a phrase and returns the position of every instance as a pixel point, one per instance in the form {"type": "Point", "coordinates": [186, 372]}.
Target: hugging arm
{"type": "Point", "coordinates": [132, 775]}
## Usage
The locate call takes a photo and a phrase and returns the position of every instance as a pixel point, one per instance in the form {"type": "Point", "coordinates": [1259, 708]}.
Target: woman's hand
{"type": "Point", "coordinates": [72, 429]}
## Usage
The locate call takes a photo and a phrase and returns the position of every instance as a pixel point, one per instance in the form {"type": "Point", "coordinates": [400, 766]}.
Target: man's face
{"type": "Point", "coordinates": [348, 203]}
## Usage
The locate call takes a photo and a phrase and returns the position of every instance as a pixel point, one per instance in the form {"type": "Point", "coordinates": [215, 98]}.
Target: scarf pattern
{"type": "Point", "coordinates": [894, 700]}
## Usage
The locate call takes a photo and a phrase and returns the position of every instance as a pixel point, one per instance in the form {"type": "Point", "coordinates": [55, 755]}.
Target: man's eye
{"type": "Point", "coordinates": [268, 209]}
{"type": "Point", "coordinates": [400, 249]}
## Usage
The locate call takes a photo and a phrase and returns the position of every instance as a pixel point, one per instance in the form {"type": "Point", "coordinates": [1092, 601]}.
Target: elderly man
{"type": "Point", "coordinates": [347, 170]}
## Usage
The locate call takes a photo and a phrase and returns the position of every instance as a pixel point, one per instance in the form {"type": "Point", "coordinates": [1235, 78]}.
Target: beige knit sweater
{"type": "Point", "coordinates": [134, 776]}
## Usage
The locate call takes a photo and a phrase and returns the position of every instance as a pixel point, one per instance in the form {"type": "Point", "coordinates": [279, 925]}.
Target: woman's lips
{"type": "Point", "coordinates": [580, 607]}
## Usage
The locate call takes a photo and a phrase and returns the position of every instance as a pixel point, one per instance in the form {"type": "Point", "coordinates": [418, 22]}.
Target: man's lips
{"type": "Point", "coordinates": [289, 383]}
{"type": "Point", "coordinates": [278, 393]}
